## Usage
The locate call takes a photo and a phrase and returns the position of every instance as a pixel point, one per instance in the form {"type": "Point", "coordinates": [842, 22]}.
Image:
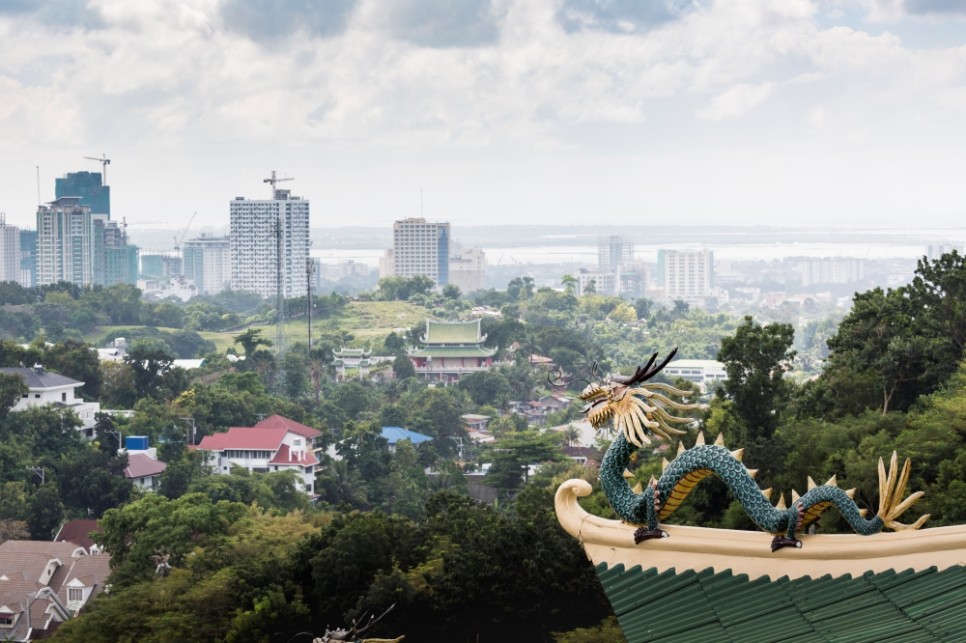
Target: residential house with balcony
{"type": "Point", "coordinates": [264, 449]}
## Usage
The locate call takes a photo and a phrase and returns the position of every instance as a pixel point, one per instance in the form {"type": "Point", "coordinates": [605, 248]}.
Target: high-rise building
{"type": "Point", "coordinates": [467, 270]}
{"type": "Point", "coordinates": [28, 258]}
{"type": "Point", "coordinates": [207, 262]}
{"type": "Point", "coordinates": [421, 248]}
{"type": "Point", "coordinates": [269, 244]}
{"type": "Point", "coordinates": [65, 245]}
{"type": "Point", "coordinates": [115, 260]}
{"type": "Point", "coordinates": [687, 275]}
{"type": "Point", "coordinates": [9, 251]}
{"type": "Point", "coordinates": [614, 252]}
{"type": "Point", "coordinates": [89, 189]}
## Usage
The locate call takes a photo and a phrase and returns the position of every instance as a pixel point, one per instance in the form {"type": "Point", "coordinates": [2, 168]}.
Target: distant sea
{"type": "Point", "coordinates": [497, 255]}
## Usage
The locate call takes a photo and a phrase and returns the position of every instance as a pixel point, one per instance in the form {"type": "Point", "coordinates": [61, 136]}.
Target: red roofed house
{"type": "Point", "coordinates": [307, 432]}
{"type": "Point", "coordinates": [262, 449]}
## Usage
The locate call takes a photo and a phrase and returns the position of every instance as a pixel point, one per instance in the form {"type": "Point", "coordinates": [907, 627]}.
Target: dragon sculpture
{"type": "Point", "coordinates": [640, 413]}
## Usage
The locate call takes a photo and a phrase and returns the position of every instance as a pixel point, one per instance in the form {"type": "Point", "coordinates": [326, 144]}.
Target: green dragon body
{"type": "Point", "coordinates": [640, 413]}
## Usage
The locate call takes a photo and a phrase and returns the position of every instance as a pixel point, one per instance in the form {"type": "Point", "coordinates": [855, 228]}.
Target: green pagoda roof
{"type": "Point", "coordinates": [453, 351]}
{"type": "Point", "coordinates": [928, 605]}
{"type": "Point", "coordinates": [440, 332]}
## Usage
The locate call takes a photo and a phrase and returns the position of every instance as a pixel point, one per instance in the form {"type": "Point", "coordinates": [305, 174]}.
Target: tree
{"type": "Point", "coordinates": [569, 283]}
{"type": "Point", "coordinates": [45, 512]}
{"type": "Point", "coordinates": [755, 360]}
{"type": "Point", "coordinates": [250, 340]}
{"type": "Point", "coordinates": [402, 367]}
{"type": "Point", "coordinates": [148, 362]}
{"type": "Point", "coordinates": [512, 455]}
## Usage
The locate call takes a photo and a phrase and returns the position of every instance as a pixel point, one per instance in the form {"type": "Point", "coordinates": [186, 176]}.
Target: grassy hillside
{"type": "Point", "coordinates": [366, 321]}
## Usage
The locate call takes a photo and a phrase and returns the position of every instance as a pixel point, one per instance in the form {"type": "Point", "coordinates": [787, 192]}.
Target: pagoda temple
{"type": "Point", "coordinates": [450, 349]}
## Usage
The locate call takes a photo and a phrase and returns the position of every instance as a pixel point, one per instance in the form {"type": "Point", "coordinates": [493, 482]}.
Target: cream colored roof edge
{"type": "Point", "coordinates": [749, 552]}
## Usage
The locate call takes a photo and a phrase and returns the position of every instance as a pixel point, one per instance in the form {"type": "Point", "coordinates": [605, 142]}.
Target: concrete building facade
{"type": "Point", "coordinates": [9, 251]}
{"type": "Point", "coordinates": [269, 244]}
{"type": "Point", "coordinates": [421, 247]}
{"type": "Point", "coordinates": [207, 262]}
{"type": "Point", "coordinates": [65, 244]}
{"type": "Point", "coordinates": [686, 275]}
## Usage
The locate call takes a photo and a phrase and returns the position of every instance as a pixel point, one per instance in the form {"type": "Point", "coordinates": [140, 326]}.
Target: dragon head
{"type": "Point", "coordinates": [638, 412]}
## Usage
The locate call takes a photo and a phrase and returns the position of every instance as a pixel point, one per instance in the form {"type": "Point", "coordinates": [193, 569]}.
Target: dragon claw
{"type": "Point", "coordinates": [643, 533]}
{"type": "Point", "coordinates": [778, 542]}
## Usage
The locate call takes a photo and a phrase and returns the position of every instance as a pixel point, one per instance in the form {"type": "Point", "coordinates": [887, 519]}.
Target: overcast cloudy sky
{"type": "Point", "coordinates": [746, 112]}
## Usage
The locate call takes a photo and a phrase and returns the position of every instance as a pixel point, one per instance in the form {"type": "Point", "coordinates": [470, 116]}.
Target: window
{"type": "Point", "coordinates": [6, 619]}
{"type": "Point", "coordinates": [75, 594]}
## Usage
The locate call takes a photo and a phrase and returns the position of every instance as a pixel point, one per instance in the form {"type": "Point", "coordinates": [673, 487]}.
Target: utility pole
{"type": "Point", "coordinates": [309, 271]}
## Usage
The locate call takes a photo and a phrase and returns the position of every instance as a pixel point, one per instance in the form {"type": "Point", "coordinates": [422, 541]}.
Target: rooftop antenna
{"type": "Point", "coordinates": [104, 161]}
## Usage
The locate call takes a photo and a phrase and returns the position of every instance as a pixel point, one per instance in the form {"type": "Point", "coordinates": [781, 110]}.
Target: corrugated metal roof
{"type": "Point", "coordinates": [692, 606]}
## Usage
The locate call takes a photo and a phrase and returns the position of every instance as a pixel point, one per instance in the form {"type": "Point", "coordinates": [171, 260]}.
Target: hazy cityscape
{"type": "Point", "coordinates": [536, 321]}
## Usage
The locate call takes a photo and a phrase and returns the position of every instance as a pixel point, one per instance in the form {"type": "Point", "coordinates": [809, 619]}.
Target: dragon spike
{"type": "Point", "coordinates": [664, 464]}
{"type": "Point", "coordinates": [719, 441]}
{"type": "Point", "coordinates": [638, 489]}
{"type": "Point", "coordinates": [795, 496]}
{"type": "Point", "coordinates": [681, 448]}
{"type": "Point", "coordinates": [850, 492]}
{"type": "Point", "coordinates": [652, 482]}
{"type": "Point", "coordinates": [627, 474]}
{"type": "Point", "coordinates": [832, 482]}
{"type": "Point", "coordinates": [781, 502]}
{"type": "Point", "coordinates": [752, 473]}
{"type": "Point", "coordinates": [699, 439]}
{"type": "Point", "coordinates": [738, 454]}
{"type": "Point", "coordinates": [766, 493]}
{"type": "Point", "coordinates": [811, 484]}
{"type": "Point", "coordinates": [863, 512]}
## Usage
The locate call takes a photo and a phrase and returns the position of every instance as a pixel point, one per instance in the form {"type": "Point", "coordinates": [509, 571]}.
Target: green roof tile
{"type": "Point", "coordinates": [927, 606]}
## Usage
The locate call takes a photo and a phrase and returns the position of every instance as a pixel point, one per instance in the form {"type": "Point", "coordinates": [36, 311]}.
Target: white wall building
{"type": "Point", "coordinates": [467, 270]}
{"type": "Point", "coordinates": [45, 388]}
{"type": "Point", "coordinates": [65, 250]}
{"type": "Point", "coordinates": [269, 244]}
{"type": "Point", "coordinates": [706, 373]}
{"type": "Point", "coordinates": [207, 262]}
{"type": "Point", "coordinates": [9, 251]}
{"type": "Point", "coordinates": [421, 247]}
{"type": "Point", "coordinates": [687, 275]}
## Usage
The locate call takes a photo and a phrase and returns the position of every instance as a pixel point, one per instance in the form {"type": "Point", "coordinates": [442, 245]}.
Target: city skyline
{"type": "Point", "coordinates": [826, 112]}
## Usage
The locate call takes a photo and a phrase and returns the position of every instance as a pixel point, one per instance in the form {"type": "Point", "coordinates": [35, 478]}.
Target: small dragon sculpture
{"type": "Point", "coordinates": [640, 413]}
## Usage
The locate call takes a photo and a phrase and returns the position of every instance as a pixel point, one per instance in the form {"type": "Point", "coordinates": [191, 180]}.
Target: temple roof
{"type": "Point", "coordinates": [453, 351]}
{"type": "Point", "coordinates": [689, 605]}
{"type": "Point", "coordinates": [440, 332]}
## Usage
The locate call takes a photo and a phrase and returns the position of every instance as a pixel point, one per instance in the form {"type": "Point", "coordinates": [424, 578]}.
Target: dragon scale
{"type": "Point", "coordinates": [697, 463]}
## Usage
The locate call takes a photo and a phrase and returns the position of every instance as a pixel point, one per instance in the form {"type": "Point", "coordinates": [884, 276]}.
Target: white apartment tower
{"type": "Point", "coordinates": [269, 244]}
{"type": "Point", "coordinates": [207, 262]}
{"type": "Point", "coordinates": [420, 247]}
{"type": "Point", "coordinates": [9, 251]}
{"type": "Point", "coordinates": [687, 275]}
{"type": "Point", "coordinates": [65, 242]}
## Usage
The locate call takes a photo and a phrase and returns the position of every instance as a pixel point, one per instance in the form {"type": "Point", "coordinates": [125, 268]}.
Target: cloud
{"type": "Point", "coordinates": [444, 23]}
{"type": "Point", "coordinates": [57, 13]}
{"type": "Point", "coordinates": [738, 100]}
{"type": "Point", "coordinates": [621, 16]}
{"type": "Point", "coordinates": [270, 21]}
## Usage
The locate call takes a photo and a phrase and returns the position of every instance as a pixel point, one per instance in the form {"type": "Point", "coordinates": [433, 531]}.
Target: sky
{"type": "Point", "coordinates": [831, 113]}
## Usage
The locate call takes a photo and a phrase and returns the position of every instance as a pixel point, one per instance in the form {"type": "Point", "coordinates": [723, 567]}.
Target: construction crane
{"type": "Point", "coordinates": [104, 161]}
{"type": "Point", "coordinates": [274, 179]}
{"type": "Point", "coordinates": [178, 242]}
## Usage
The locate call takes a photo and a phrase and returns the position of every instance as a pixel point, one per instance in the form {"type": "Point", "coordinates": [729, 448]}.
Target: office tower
{"type": "Point", "coordinates": [614, 252]}
{"type": "Point", "coordinates": [207, 262]}
{"type": "Point", "coordinates": [88, 188]}
{"type": "Point", "coordinates": [9, 251]}
{"type": "Point", "coordinates": [687, 275]}
{"type": "Point", "coordinates": [65, 242]}
{"type": "Point", "coordinates": [269, 244]}
{"type": "Point", "coordinates": [467, 270]}
{"type": "Point", "coordinates": [421, 248]}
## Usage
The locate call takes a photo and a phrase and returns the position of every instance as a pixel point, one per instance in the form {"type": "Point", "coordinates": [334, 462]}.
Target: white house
{"type": "Point", "coordinates": [144, 471]}
{"type": "Point", "coordinates": [50, 388]}
{"type": "Point", "coordinates": [706, 373]}
{"type": "Point", "coordinates": [263, 450]}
